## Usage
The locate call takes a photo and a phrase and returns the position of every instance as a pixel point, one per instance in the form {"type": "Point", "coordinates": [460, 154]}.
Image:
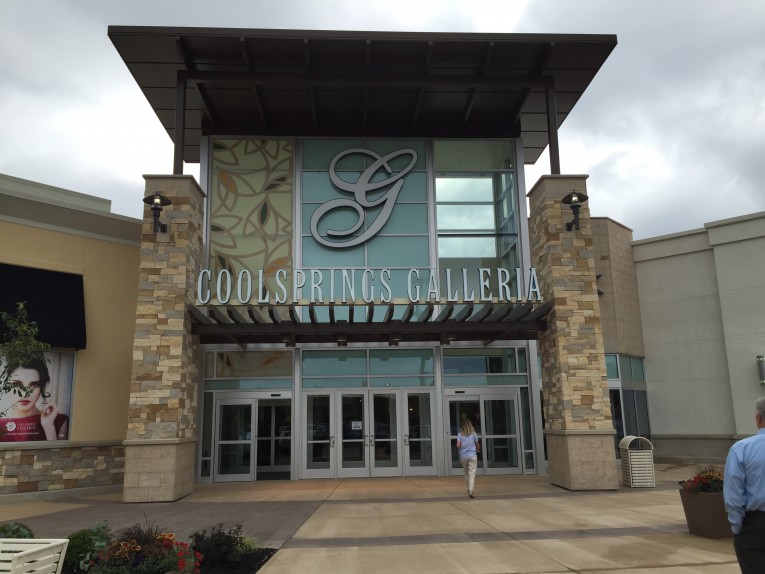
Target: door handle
{"type": "Point", "coordinates": [331, 441]}
{"type": "Point", "coordinates": [366, 440]}
{"type": "Point", "coordinates": [406, 439]}
{"type": "Point", "coordinates": [372, 440]}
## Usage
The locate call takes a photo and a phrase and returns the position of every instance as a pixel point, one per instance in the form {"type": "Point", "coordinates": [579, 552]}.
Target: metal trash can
{"type": "Point", "coordinates": [637, 463]}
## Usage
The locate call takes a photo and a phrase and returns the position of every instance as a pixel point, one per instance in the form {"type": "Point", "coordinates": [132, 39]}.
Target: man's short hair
{"type": "Point", "coordinates": [760, 407]}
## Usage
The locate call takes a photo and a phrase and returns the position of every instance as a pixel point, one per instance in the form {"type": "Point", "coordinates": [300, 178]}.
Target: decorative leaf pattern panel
{"type": "Point", "coordinates": [251, 208]}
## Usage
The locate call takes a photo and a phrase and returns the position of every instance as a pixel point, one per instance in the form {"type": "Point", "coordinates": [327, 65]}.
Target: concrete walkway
{"type": "Point", "coordinates": [423, 525]}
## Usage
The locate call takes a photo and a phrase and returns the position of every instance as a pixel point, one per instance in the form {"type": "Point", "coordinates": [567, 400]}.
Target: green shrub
{"type": "Point", "coordinates": [222, 547]}
{"type": "Point", "coordinates": [15, 530]}
{"type": "Point", "coordinates": [84, 546]}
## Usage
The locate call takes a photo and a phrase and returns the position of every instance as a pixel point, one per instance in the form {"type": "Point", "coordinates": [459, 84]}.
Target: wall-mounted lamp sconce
{"type": "Point", "coordinates": [575, 201]}
{"type": "Point", "coordinates": [157, 201]}
{"type": "Point", "coordinates": [761, 368]}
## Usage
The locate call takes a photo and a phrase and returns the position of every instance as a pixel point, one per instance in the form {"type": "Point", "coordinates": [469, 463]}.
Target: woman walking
{"type": "Point", "coordinates": [469, 447]}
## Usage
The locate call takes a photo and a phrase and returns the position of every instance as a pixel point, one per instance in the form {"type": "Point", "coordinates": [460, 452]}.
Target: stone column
{"type": "Point", "coordinates": [577, 410]}
{"type": "Point", "coordinates": [161, 438]}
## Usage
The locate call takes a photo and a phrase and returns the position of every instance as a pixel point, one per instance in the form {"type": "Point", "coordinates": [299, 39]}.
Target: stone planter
{"type": "Point", "coordinates": [705, 514]}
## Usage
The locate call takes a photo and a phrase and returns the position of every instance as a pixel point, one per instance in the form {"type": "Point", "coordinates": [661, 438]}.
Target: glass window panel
{"type": "Point", "coordinates": [318, 455]}
{"type": "Point", "coordinates": [529, 460]}
{"type": "Point", "coordinates": [406, 219]}
{"type": "Point", "coordinates": [402, 381]}
{"type": "Point", "coordinates": [317, 255]}
{"type": "Point", "coordinates": [624, 368]}
{"type": "Point", "coordinates": [318, 154]}
{"type": "Point", "coordinates": [522, 364]}
{"type": "Point", "coordinates": [637, 369]}
{"type": "Point", "coordinates": [400, 361]}
{"type": "Point", "coordinates": [384, 147]}
{"type": "Point", "coordinates": [234, 458]}
{"type": "Point", "coordinates": [207, 430]}
{"type": "Point", "coordinates": [318, 363]}
{"type": "Point", "coordinates": [464, 189]}
{"type": "Point", "coordinates": [415, 187]}
{"type": "Point", "coordinates": [418, 409]}
{"type": "Point", "coordinates": [247, 384]}
{"type": "Point", "coordinates": [399, 252]}
{"type": "Point", "coordinates": [502, 452]}
{"type": "Point", "coordinates": [628, 410]}
{"type": "Point", "coordinates": [500, 417]}
{"type": "Point", "coordinates": [451, 155]}
{"type": "Point", "coordinates": [461, 361]}
{"type": "Point", "coordinates": [263, 364]}
{"type": "Point", "coordinates": [420, 452]}
{"type": "Point", "coordinates": [265, 421]}
{"type": "Point", "coordinates": [235, 422]}
{"type": "Point", "coordinates": [641, 410]}
{"type": "Point", "coordinates": [338, 383]}
{"type": "Point", "coordinates": [317, 425]}
{"type": "Point", "coordinates": [478, 380]}
{"type": "Point", "coordinates": [318, 188]}
{"type": "Point", "coordinates": [339, 219]}
{"type": "Point", "coordinates": [473, 252]}
{"type": "Point", "coordinates": [465, 217]}
{"type": "Point", "coordinates": [528, 443]}
{"type": "Point", "coordinates": [264, 452]}
{"type": "Point", "coordinates": [612, 366]}
{"type": "Point", "coordinates": [616, 415]}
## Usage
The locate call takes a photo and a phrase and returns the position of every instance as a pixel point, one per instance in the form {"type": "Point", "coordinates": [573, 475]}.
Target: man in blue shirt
{"type": "Point", "coordinates": [744, 492]}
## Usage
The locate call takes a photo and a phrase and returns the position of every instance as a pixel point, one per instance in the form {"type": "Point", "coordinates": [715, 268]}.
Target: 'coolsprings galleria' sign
{"type": "Point", "coordinates": [342, 286]}
{"type": "Point", "coordinates": [367, 285]}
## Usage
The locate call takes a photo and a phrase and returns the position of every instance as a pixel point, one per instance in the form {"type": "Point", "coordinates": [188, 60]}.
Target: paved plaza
{"type": "Point", "coordinates": [515, 525]}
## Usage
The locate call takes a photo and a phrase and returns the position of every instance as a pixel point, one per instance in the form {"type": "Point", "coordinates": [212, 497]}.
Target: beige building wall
{"type": "Point", "coordinates": [617, 287]}
{"type": "Point", "coordinates": [701, 296]}
{"type": "Point", "coordinates": [73, 240]}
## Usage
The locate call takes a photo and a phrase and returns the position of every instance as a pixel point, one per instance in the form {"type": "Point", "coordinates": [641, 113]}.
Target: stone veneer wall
{"type": "Point", "coordinates": [578, 425]}
{"type": "Point", "coordinates": [161, 433]}
{"type": "Point", "coordinates": [26, 469]}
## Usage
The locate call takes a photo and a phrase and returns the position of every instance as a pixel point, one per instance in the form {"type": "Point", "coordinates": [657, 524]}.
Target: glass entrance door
{"type": "Point", "coordinates": [495, 419]}
{"type": "Point", "coordinates": [464, 408]}
{"type": "Point", "coordinates": [368, 432]}
{"type": "Point", "coordinates": [370, 435]}
{"type": "Point", "coordinates": [418, 434]}
{"type": "Point", "coordinates": [354, 434]}
{"type": "Point", "coordinates": [319, 435]}
{"type": "Point", "coordinates": [235, 443]}
{"type": "Point", "coordinates": [274, 438]}
{"type": "Point", "coordinates": [501, 437]}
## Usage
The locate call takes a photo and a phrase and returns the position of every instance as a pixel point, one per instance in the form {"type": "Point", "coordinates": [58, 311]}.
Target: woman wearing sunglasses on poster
{"type": "Point", "coordinates": [25, 420]}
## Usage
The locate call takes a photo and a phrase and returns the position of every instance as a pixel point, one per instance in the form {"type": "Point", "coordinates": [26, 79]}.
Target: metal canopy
{"type": "Point", "coordinates": [368, 323]}
{"type": "Point", "coordinates": [360, 84]}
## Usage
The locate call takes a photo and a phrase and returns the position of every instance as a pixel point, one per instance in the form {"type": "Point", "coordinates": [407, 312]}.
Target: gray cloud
{"type": "Point", "coordinates": [676, 115]}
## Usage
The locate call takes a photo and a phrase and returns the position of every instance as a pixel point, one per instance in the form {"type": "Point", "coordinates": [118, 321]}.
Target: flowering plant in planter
{"type": "Point", "coordinates": [145, 550]}
{"type": "Point", "coordinates": [707, 479]}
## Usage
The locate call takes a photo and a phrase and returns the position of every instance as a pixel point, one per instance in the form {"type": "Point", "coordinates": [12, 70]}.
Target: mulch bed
{"type": "Point", "coordinates": [250, 563]}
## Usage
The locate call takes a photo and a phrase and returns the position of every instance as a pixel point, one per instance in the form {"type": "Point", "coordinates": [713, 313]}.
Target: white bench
{"type": "Point", "coordinates": [32, 555]}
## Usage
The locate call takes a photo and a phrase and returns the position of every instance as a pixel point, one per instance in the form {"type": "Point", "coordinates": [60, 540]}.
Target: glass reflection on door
{"type": "Point", "coordinates": [385, 437]}
{"type": "Point", "coordinates": [234, 439]}
{"type": "Point", "coordinates": [420, 438]}
{"type": "Point", "coordinates": [317, 431]}
{"type": "Point", "coordinates": [459, 410]}
{"type": "Point", "coordinates": [501, 433]}
{"type": "Point", "coordinates": [352, 434]}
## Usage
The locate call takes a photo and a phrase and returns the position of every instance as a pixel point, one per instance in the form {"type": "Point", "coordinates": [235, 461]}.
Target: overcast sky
{"type": "Point", "coordinates": [671, 131]}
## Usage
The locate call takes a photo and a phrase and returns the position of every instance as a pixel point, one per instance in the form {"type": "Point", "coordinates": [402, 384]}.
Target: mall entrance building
{"type": "Point", "coordinates": [354, 275]}
{"type": "Point", "coordinates": [354, 342]}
